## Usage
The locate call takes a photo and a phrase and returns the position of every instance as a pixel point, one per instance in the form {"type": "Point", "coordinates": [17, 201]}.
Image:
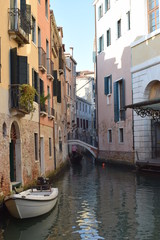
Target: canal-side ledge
{"type": "Point", "coordinates": [52, 176]}
{"type": "Point", "coordinates": [116, 163]}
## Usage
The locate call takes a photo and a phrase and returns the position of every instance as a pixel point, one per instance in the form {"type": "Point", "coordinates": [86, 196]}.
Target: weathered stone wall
{"type": "Point", "coordinates": [126, 158]}
{"type": "Point", "coordinates": [29, 167]}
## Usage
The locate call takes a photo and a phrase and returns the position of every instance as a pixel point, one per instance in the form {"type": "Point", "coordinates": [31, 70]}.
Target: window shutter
{"type": "Point", "coordinates": [14, 66]}
{"type": "Point", "coordinates": [41, 87]}
{"type": "Point", "coordinates": [22, 69]}
{"type": "Point", "coordinates": [59, 91]}
{"type": "Point", "coordinates": [110, 83]}
{"type": "Point", "coordinates": [55, 84]}
{"type": "Point", "coordinates": [28, 18]}
{"type": "Point", "coordinates": [106, 85]}
{"type": "Point", "coordinates": [116, 102]}
{"type": "Point", "coordinates": [123, 101]}
{"type": "Point", "coordinates": [23, 5]}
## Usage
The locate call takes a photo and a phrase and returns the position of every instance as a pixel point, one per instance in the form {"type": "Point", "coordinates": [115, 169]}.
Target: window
{"type": "Point", "coordinates": [101, 44]}
{"type": "Point", "coordinates": [121, 135]}
{"type": "Point", "coordinates": [87, 124]}
{"type": "Point", "coordinates": [108, 85]}
{"type": "Point", "coordinates": [100, 11]}
{"type": "Point", "coordinates": [50, 147]}
{"type": "Point", "coordinates": [46, 8]}
{"type": "Point", "coordinates": [153, 15]}
{"type": "Point", "coordinates": [108, 37]}
{"type": "Point", "coordinates": [110, 136]}
{"type": "Point", "coordinates": [36, 146]}
{"type": "Point", "coordinates": [78, 122]}
{"type": "Point", "coordinates": [128, 20]}
{"type": "Point", "coordinates": [107, 5]}
{"type": "Point", "coordinates": [33, 30]}
{"type": "Point", "coordinates": [119, 28]}
{"type": "Point", "coordinates": [81, 122]}
{"type": "Point", "coordinates": [84, 125]}
{"type": "Point", "coordinates": [86, 108]}
{"type": "Point", "coordinates": [119, 100]}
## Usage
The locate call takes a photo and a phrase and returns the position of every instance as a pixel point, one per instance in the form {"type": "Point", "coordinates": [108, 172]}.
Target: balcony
{"type": "Point", "coordinates": [42, 59]}
{"type": "Point", "coordinates": [50, 68]}
{"type": "Point", "coordinates": [43, 110]}
{"type": "Point", "coordinates": [51, 113]}
{"type": "Point", "coordinates": [19, 25]}
{"type": "Point", "coordinates": [15, 106]}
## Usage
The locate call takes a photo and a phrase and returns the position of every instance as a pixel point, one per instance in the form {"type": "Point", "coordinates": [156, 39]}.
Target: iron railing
{"type": "Point", "coordinates": [42, 58]}
{"type": "Point", "coordinates": [20, 24]}
{"type": "Point", "coordinates": [15, 98]}
{"type": "Point", "coordinates": [50, 67]}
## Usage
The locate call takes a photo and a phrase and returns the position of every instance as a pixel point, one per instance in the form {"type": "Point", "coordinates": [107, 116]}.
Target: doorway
{"type": "Point", "coordinates": [15, 154]}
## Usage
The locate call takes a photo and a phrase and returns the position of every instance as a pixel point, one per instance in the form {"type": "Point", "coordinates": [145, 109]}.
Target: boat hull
{"type": "Point", "coordinates": [31, 205]}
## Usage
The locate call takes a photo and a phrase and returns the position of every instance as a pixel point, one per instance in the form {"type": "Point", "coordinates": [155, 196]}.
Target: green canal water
{"type": "Point", "coordinates": [95, 202]}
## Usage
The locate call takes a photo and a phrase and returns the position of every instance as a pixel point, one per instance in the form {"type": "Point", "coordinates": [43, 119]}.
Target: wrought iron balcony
{"type": "Point", "coordinates": [42, 59]}
{"type": "Point", "coordinates": [50, 69]}
{"type": "Point", "coordinates": [19, 25]}
{"type": "Point", "coordinates": [15, 100]}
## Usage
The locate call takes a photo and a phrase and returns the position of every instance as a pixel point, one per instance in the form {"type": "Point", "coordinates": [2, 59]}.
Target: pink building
{"type": "Point", "coordinates": [114, 35]}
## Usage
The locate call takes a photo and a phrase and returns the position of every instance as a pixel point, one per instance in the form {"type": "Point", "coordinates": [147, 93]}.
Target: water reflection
{"type": "Point", "coordinates": [28, 229]}
{"type": "Point", "coordinates": [96, 202]}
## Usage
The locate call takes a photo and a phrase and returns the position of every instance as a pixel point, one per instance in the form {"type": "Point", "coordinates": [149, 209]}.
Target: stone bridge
{"type": "Point", "coordinates": [93, 150]}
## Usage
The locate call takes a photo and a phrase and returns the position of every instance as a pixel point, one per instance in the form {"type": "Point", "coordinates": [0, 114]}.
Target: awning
{"type": "Point", "coordinates": [150, 108]}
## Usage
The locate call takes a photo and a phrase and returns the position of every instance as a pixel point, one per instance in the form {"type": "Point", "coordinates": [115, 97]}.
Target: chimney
{"type": "Point", "coordinates": [71, 51]}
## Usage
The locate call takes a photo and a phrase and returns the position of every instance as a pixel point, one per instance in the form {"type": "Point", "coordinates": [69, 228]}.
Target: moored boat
{"type": "Point", "coordinates": [32, 202]}
{"type": "Point", "coordinates": [76, 158]}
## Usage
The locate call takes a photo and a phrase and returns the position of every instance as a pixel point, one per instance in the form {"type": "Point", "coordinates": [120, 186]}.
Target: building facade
{"type": "Point", "coordinates": [19, 157]}
{"type": "Point", "coordinates": [145, 72]}
{"type": "Point", "coordinates": [84, 131]}
{"type": "Point", "coordinates": [116, 28]}
{"type": "Point", "coordinates": [85, 89]}
{"type": "Point", "coordinates": [33, 88]}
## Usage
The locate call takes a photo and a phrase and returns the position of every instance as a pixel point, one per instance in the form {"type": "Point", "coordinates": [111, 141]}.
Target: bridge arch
{"type": "Point", "coordinates": [93, 150]}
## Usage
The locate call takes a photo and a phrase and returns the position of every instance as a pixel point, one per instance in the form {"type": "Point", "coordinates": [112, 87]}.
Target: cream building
{"type": "Point", "coordinates": [146, 91]}
{"type": "Point", "coordinates": [19, 158]}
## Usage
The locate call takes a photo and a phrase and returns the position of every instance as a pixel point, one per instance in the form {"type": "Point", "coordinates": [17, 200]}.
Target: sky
{"type": "Point", "coordinates": [77, 19]}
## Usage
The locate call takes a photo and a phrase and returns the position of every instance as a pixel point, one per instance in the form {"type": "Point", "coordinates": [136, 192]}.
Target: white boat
{"type": "Point", "coordinates": [31, 203]}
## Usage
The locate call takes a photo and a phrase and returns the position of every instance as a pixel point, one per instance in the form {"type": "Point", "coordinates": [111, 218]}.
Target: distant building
{"type": "Point", "coordinates": [85, 89]}
{"type": "Point", "coordinates": [84, 131]}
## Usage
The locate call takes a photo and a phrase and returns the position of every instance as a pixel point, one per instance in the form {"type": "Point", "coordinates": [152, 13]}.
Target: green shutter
{"type": "Point", "coordinates": [14, 66]}
{"type": "Point", "coordinates": [123, 101]}
{"type": "Point", "coordinates": [110, 83]}
{"type": "Point", "coordinates": [106, 85]}
{"type": "Point", "coordinates": [22, 70]}
{"type": "Point", "coordinates": [116, 102]}
{"type": "Point", "coordinates": [28, 18]}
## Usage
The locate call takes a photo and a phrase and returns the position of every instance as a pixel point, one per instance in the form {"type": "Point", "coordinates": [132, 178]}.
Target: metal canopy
{"type": "Point", "coordinates": [150, 108]}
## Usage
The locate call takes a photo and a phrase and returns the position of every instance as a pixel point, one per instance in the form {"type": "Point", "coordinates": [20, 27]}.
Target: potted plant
{"type": "Point", "coordinates": [26, 97]}
{"type": "Point", "coordinates": [43, 100]}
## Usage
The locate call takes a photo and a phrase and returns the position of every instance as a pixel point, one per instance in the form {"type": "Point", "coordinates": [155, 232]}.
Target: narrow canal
{"type": "Point", "coordinates": [95, 202]}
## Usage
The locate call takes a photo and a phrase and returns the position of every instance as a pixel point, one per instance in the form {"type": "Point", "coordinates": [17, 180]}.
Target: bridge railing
{"type": "Point", "coordinates": [87, 139]}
